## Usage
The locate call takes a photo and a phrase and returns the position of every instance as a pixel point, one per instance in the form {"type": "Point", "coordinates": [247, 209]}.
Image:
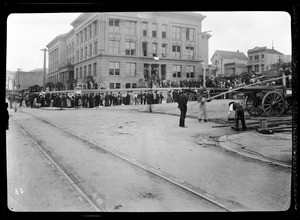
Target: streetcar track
{"type": "Point", "coordinates": [67, 175]}
{"type": "Point", "coordinates": [179, 183]}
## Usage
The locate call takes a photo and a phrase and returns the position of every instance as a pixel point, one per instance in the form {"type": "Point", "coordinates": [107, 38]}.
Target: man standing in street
{"type": "Point", "coordinates": [239, 115]}
{"type": "Point", "coordinates": [182, 105]}
{"type": "Point", "coordinates": [202, 99]}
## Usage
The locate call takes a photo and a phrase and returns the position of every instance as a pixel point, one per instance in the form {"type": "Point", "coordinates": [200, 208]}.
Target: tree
{"type": "Point", "coordinates": [89, 80]}
{"type": "Point", "coordinates": [282, 66]}
{"type": "Point", "coordinates": [59, 86]}
{"type": "Point", "coordinates": [51, 85]}
{"type": "Point", "coordinates": [71, 83]}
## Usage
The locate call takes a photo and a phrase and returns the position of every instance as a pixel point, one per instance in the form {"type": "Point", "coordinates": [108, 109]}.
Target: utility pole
{"type": "Point", "coordinates": [44, 72]}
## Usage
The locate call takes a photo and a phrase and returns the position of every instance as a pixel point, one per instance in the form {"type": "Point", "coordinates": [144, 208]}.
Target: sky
{"type": "Point", "coordinates": [27, 34]}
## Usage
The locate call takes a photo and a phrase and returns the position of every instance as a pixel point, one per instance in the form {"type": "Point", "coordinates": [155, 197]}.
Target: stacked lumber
{"type": "Point", "coordinates": [276, 124]}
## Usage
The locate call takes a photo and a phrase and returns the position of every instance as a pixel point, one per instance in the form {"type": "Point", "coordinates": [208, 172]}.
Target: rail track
{"type": "Point", "coordinates": [125, 158]}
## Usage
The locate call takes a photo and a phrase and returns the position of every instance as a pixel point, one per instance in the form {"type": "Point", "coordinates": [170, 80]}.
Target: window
{"type": "Point", "coordinates": [190, 34]}
{"type": "Point", "coordinates": [85, 52]}
{"type": "Point", "coordinates": [250, 57]}
{"type": "Point", "coordinates": [77, 55]}
{"type": "Point", "coordinates": [176, 33]}
{"type": "Point", "coordinates": [81, 54]}
{"type": "Point", "coordinates": [164, 50]}
{"type": "Point", "coordinates": [95, 48]}
{"type": "Point", "coordinates": [81, 37]}
{"type": "Point", "coordinates": [95, 69]}
{"type": "Point", "coordinates": [90, 50]}
{"type": "Point", "coordinates": [85, 35]}
{"type": "Point", "coordinates": [189, 52]}
{"type": "Point", "coordinates": [118, 85]}
{"type": "Point", "coordinates": [134, 85]}
{"type": "Point", "coordinates": [84, 72]}
{"type": "Point", "coordinates": [176, 71]}
{"type": "Point", "coordinates": [154, 49]}
{"type": "Point", "coordinates": [176, 51]}
{"type": "Point", "coordinates": [144, 28]}
{"type": "Point", "coordinates": [77, 39]}
{"type": "Point", "coordinates": [256, 68]}
{"type": "Point", "coordinates": [80, 72]}
{"type": "Point", "coordinates": [130, 27]}
{"type": "Point", "coordinates": [154, 30]}
{"type": "Point", "coordinates": [114, 26]}
{"type": "Point", "coordinates": [113, 47]}
{"type": "Point", "coordinates": [145, 48]}
{"type": "Point", "coordinates": [111, 85]}
{"type": "Point", "coordinates": [130, 69]}
{"type": "Point", "coordinates": [95, 28]}
{"type": "Point", "coordinates": [256, 58]}
{"type": "Point", "coordinates": [130, 48]}
{"type": "Point", "coordinates": [76, 73]}
{"type": "Point", "coordinates": [90, 70]}
{"type": "Point", "coordinates": [114, 68]}
{"type": "Point", "coordinates": [91, 31]}
{"type": "Point", "coordinates": [164, 31]}
{"type": "Point", "coordinates": [262, 67]}
{"type": "Point", "coordinates": [190, 72]}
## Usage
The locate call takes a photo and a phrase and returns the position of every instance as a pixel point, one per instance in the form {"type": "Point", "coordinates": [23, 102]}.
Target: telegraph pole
{"type": "Point", "coordinates": [44, 72]}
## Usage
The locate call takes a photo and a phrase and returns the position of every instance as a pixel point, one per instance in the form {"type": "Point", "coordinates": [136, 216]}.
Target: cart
{"type": "Point", "coordinates": [272, 100]}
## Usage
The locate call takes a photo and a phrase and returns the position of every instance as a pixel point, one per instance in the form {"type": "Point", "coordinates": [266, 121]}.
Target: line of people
{"type": "Point", "coordinates": [91, 100]}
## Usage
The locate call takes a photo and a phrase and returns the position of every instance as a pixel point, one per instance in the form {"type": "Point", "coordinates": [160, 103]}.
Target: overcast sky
{"type": "Point", "coordinates": [27, 34]}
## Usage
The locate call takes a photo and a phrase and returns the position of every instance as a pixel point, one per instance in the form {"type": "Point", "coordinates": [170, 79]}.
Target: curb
{"type": "Point", "coordinates": [233, 147]}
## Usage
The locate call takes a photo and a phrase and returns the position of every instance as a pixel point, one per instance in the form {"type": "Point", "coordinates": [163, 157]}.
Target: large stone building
{"type": "Point", "coordinates": [260, 59]}
{"type": "Point", "coordinates": [126, 48]}
{"type": "Point", "coordinates": [220, 58]}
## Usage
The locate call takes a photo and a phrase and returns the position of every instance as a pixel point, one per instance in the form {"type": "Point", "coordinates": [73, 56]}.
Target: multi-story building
{"type": "Point", "coordinates": [61, 58]}
{"type": "Point", "coordinates": [260, 59]}
{"type": "Point", "coordinates": [221, 57]}
{"type": "Point", "coordinates": [126, 48]}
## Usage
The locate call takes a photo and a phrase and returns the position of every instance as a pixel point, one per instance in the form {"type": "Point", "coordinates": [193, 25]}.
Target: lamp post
{"type": "Point", "coordinates": [206, 37]}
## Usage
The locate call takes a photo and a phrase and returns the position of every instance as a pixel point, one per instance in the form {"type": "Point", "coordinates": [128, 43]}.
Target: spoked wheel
{"type": "Point", "coordinates": [253, 106]}
{"type": "Point", "coordinates": [273, 104]}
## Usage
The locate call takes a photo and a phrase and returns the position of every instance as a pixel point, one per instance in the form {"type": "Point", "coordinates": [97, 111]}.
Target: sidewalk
{"type": "Point", "coordinates": [273, 148]}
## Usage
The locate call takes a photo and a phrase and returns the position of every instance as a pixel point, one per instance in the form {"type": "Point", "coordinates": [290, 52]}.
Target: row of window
{"type": "Point", "coordinates": [130, 70]}
{"type": "Point", "coordinates": [118, 85]}
{"type": "Point", "coordinates": [131, 27]}
{"type": "Point", "coordinates": [82, 72]}
{"type": "Point", "coordinates": [256, 58]}
{"type": "Point", "coordinates": [87, 52]}
{"type": "Point", "coordinates": [87, 33]}
{"type": "Point", "coordinates": [130, 49]}
{"type": "Point", "coordinates": [256, 68]}
{"type": "Point", "coordinates": [54, 59]}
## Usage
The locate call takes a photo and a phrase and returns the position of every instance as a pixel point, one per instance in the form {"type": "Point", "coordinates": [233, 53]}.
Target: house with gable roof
{"type": "Point", "coordinates": [221, 57]}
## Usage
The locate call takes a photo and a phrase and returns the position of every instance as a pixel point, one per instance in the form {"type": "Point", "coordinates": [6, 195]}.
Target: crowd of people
{"type": "Point", "coordinates": [90, 100]}
{"type": "Point", "coordinates": [209, 83]}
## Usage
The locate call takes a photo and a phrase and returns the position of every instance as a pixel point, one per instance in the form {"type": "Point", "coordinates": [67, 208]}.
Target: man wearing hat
{"type": "Point", "coordinates": [239, 114]}
{"type": "Point", "coordinates": [182, 101]}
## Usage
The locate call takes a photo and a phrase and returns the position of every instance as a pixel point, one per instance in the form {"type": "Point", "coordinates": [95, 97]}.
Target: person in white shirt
{"type": "Point", "coordinates": [239, 114]}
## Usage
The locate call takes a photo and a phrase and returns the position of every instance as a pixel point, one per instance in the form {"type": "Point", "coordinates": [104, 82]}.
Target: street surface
{"type": "Point", "coordinates": [153, 140]}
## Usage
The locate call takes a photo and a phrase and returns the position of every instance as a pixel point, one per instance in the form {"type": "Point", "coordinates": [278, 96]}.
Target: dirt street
{"type": "Point", "coordinates": [157, 141]}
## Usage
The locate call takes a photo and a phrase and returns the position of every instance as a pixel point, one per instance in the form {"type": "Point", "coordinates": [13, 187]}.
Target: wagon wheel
{"type": "Point", "coordinates": [273, 104]}
{"type": "Point", "coordinates": [253, 106]}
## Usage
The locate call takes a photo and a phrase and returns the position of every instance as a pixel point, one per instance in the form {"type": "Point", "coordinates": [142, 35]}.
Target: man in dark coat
{"type": "Point", "coordinates": [182, 105]}
{"type": "Point", "coordinates": [239, 114]}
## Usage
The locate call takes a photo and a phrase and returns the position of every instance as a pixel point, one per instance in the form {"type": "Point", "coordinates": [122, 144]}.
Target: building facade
{"type": "Point", "coordinates": [220, 58]}
{"type": "Point", "coordinates": [260, 59]}
{"type": "Point", "coordinates": [127, 48]}
{"type": "Point", "coordinates": [234, 69]}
